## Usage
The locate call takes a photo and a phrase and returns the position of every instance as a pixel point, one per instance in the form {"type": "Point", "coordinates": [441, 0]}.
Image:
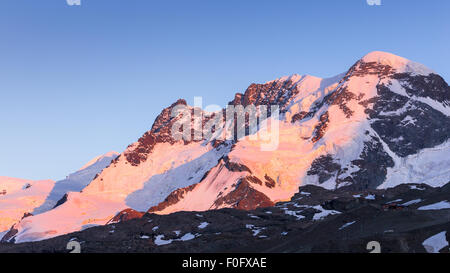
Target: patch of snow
{"type": "Point", "coordinates": [370, 197]}
{"type": "Point", "coordinates": [394, 201]}
{"type": "Point", "coordinates": [408, 120]}
{"type": "Point", "coordinates": [435, 242]}
{"type": "Point", "coordinates": [188, 236]}
{"type": "Point", "coordinates": [436, 206]}
{"type": "Point", "coordinates": [412, 202]}
{"type": "Point", "coordinates": [203, 225]}
{"type": "Point", "coordinates": [255, 230]}
{"type": "Point", "coordinates": [414, 187]}
{"type": "Point", "coordinates": [295, 214]}
{"type": "Point", "coordinates": [346, 225]}
{"type": "Point", "coordinates": [89, 226]}
{"type": "Point", "coordinates": [323, 213]}
{"type": "Point", "coordinates": [160, 241]}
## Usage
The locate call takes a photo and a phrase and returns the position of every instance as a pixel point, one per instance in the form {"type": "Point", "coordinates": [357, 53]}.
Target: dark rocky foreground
{"type": "Point", "coordinates": [315, 220]}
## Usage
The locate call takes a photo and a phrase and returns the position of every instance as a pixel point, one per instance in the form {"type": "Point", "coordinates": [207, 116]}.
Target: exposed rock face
{"type": "Point", "coordinates": [173, 198]}
{"type": "Point", "coordinates": [324, 167]}
{"type": "Point", "coordinates": [235, 167]}
{"type": "Point", "coordinates": [160, 132]}
{"type": "Point", "coordinates": [412, 126]}
{"type": "Point", "coordinates": [275, 92]}
{"type": "Point", "coordinates": [363, 68]}
{"type": "Point", "coordinates": [61, 201]}
{"type": "Point", "coordinates": [321, 127]}
{"type": "Point", "coordinates": [373, 164]}
{"type": "Point", "coordinates": [26, 214]}
{"type": "Point", "coordinates": [432, 86]}
{"type": "Point", "coordinates": [244, 197]}
{"type": "Point", "coordinates": [9, 236]}
{"type": "Point", "coordinates": [299, 116]}
{"type": "Point", "coordinates": [126, 215]}
{"type": "Point", "coordinates": [270, 183]}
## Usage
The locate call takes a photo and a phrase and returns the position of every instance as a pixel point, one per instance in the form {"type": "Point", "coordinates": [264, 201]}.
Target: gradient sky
{"type": "Point", "coordinates": [79, 81]}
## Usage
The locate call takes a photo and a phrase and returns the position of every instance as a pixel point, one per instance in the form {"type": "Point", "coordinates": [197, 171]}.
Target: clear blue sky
{"type": "Point", "coordinates": [79, 81]}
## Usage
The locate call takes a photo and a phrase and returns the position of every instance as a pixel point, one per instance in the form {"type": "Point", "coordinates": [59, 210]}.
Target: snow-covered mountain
{"type": "Point", "coordinates": [77, 181]}
{"type": "Point", "coordinates": [382, 123]}
{"type": "Point", "coordinates": [20, 198]}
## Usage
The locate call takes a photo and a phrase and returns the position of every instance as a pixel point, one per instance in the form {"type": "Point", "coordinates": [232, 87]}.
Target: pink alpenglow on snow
{"type": "Point", "coordinates": [19, 197]}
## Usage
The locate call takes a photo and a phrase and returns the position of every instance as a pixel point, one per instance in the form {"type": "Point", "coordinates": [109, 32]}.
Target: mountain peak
{"type": "Point", "coordinates": [100, 157]}
{"type": "Point", "coordinates": [295, 78]}
{"type": "Point", "coordinates": [400, 64]}
{"type": "Point", "coordinates": [384, 58]}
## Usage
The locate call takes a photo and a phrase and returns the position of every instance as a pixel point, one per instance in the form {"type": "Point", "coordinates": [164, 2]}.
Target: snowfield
{"type": "Point", "coordinates": [435, 242]}
{"type": "Point", "coordinates": [21, 196]}
{"type": "Point", "coordinates": [436, 206]}
{"type": "Point", "coordinates": [121, 186]}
